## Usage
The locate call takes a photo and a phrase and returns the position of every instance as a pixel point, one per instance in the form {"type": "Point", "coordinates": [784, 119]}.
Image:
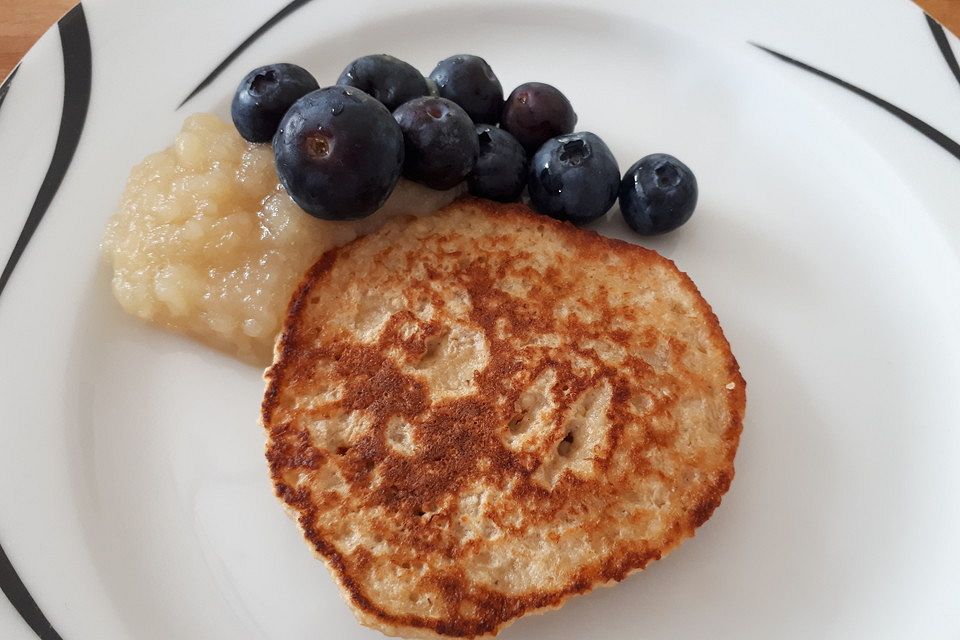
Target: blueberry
{"type": "Point", "coordinates": [470, 82]}
{"type": "Point", "coordinates": [574, 177]}
{"type": "Point", "coordinates": [440, 141]}
{"type": "Point", "coordinates": [338, 153]}
{"type": "Point", "coordinates": [501, 170]}
{"type": "Point", "coordinates": [264, 95]}
{"type": "Point", "coordinates": [388, 79]}
{"type": "Point", "coordinates": [535, 112]}
{"type": "Point", "coordinates": [657, 194]}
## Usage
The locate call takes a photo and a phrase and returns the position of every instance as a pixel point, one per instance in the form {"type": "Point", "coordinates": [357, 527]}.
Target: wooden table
{"type": "Point", "coordinates": [23, 21]}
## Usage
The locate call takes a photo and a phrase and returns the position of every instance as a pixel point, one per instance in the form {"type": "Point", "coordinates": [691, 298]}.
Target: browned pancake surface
{"type": "Point", "coordinates": [477, 414]}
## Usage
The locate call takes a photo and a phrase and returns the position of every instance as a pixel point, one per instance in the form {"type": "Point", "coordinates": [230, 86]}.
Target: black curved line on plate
{"type": "Point", "coordinates": [253, 37]}
{"type": "Point", "coordinates": [75, 41]}
{"type": "Point", "coordinates": [77, 72]}
{"type": "Point", "coordinates": [23, 602]}
{"type": "Point", "coordinates": [937, 136]}
{"type": "Point", "coordinates": [5, 87]}
{"type": "Point", "coordinates": [941, 38]}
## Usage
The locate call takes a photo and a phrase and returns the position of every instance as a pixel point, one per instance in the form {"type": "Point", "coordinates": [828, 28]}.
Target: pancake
{"type": "Point", "coordinates": [477, 414]}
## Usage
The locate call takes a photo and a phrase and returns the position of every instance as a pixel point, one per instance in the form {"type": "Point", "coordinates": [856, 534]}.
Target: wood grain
{"type": "Point", "coordinates": [946, 12]}
{"type": "Point", "coordinates": [23, 21]}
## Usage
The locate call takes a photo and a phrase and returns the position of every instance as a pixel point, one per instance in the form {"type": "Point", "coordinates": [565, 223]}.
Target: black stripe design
{"type": "Point", "coordinates": [23, 602]}
{"type": "Point", "coordinates": [941, 37]}
{"type": "Point", "coordinates": [253, 37]}
{"type": "Point", "coordinates": [77, 71]}
{"type": "Point", "coordinates": [937, 136]}
{"type": "Point", "coordinates": [5, 87]}
{"type": "Point", "coordinates": [75, 40]}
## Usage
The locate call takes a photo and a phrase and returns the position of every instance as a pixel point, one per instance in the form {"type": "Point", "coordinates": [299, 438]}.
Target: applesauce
{"type": "Point", "coordinates": [206, 242]}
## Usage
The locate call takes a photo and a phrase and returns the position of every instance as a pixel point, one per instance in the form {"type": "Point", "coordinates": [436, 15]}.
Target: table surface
{"type": "Point", "coordinates": [23, 21]}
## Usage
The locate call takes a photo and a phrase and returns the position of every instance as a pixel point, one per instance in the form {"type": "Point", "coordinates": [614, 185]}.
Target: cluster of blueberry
{"type": "Point", "coordinates": [340, 150]}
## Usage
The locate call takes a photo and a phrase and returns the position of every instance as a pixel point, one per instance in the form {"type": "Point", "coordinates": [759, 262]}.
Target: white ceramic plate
{"type": "Point", "coordinates": [134, 500]}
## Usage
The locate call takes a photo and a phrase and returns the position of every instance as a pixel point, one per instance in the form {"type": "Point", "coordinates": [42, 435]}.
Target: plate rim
{"type": "Point", "coordinates": [76, 53]}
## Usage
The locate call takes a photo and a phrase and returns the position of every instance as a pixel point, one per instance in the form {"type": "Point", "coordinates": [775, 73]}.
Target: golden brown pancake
{"type": "Point", "coordinates": [477, 414]}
